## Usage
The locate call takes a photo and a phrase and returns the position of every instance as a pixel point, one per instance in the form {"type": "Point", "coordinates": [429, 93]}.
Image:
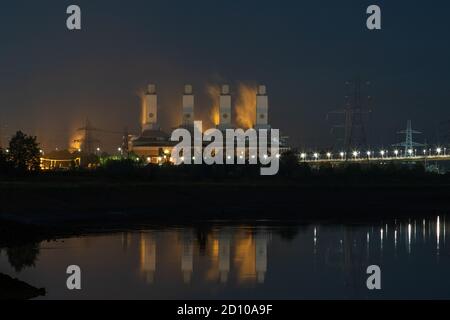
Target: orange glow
{"type": "Point", "coordinates": [141, 95]}
{"type": "Point", "coordinates": [214, 93]}
{"type": "Point", "coordinates": [75, 140]}
{"type": "Point", "coordinates": [148, 257]}
{"type": "Point", "coordinates": [246, 106]}
{"type": "Point", "coordinates": [215, 248]}
{"type": "Point", "coordinates": [213, 272]}
{"type": "Point", "coordinates": [244, 258]}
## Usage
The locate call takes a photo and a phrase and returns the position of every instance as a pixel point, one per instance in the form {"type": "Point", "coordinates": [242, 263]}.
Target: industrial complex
{"type": "Point", "coordinates": [154, 145]}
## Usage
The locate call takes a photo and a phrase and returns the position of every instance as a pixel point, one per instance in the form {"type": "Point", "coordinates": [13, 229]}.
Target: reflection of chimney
{"type": "Point", "coordinates": [187, 257]}
{"type": "Point", "coordinates": [224, 256]}
{"type": "Point", "coordinates": [148, 257]}
{"type": "Point", "coordinates": [225, 108]}
{"type": "Point", "coordinates": [126, 239]}
{"type": "Point", "coordinates": [188, 106]}
{"type": "Point", "coordinates": [151, 109]}
{"type": "Point", "coordinates": [261, 256]}
{"type": "Point", "coordinates": [262, 108]}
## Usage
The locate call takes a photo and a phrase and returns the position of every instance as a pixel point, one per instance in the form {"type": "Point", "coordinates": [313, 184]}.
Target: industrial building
{"type": "Point", "coordinates": [60, 160]}
{"type": "Point", "coordinates": [154, 145]}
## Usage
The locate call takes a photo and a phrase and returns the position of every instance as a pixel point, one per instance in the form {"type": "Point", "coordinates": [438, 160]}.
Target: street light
{"type": "Point", "coordinates": [303, 156]}
{"type": "Point", "coordinates": [439, 150]}
{"type": "Point", "coordinates": [410, 152]}
{"type": "Point", "coordinates": [316, 156]}
{"type": "Point", "coordinates": [382, 152]}
{"type": "Point", "coordinates": [342, 154]}
{"type": "Point", "coordinates": [396, 152]}
{"type": "Point", "coordinates": [355, 154]}
{"type": "Point", "coordinates": [329, 155]}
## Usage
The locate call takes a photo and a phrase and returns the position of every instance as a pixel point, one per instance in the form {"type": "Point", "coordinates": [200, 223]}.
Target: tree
{"type": "Point", "coordinates": [23, 257]}
{"type": "Point", "coordinates": [5, 166]}
{"type": "Point", "coordinates": [24, 153]}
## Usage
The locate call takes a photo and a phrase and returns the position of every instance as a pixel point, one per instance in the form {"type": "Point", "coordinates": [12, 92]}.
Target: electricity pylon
{"type": "Point", "coordinates": [355, 109]}
{"type": "Point", "coordinates": [409, 144]}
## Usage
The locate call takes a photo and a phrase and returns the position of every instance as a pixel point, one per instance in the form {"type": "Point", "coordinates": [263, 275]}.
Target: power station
{"type": "Point", "coordinates": [154, 145]}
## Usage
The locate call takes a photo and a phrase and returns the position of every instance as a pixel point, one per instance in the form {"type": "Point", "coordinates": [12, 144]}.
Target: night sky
{"type": "Point", "coordinates": [51, 79]}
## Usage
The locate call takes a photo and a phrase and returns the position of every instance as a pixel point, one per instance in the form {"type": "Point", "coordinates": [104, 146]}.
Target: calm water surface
{"type": "Point", "coordinates": [263, 261]}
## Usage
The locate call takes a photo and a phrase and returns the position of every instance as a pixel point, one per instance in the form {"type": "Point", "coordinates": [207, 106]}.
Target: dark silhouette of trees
{"type": "Point", "coordinates": [23, 153]}
{"type": "Point", "coordinates": [23, 257]}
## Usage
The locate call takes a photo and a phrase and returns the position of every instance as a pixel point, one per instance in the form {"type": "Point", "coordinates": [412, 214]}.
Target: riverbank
{"type": "Point", "coordinates": [14, 289]}
{"type": "Point", "coordinates": [71, 206]}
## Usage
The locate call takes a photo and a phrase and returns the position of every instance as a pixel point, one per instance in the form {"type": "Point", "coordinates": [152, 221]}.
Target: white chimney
{"type": "Point", "coordinates": [225, 107]}
{"type": "Point", "coordinates": [188, 106]}
{"type": "Point", "coordinates": [151, 109]}
{"type": "Point", "coordinates": [262, 108]}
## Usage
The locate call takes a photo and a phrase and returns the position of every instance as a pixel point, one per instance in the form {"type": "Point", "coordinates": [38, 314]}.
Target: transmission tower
{"type": "Point", "coordinates": [88, 141]}
{"type": "Point", "coordinates": [409, 144]}
{"type": "Point", "coordinates": [356, 107]}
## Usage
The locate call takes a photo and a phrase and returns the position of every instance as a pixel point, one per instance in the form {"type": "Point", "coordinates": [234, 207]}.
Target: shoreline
{"type": "Point", "coordinates": [43, 210]}
{"type": "Point", "coordinates": [15, 289]}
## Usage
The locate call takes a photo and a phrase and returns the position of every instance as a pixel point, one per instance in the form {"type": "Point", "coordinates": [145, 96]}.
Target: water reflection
{"type": "Point", "coordinates": [241, 250]}
{"type": "Point", "coordinates": [269, 260]}
{"type": "Point", "coordinates": [187, 255]}
{"type": "Point", "coordinates": [224, 248]}
{"type": "Point", "coordinates": [23, 256]}
{"type": "Point", "coordinates": [148, 256]}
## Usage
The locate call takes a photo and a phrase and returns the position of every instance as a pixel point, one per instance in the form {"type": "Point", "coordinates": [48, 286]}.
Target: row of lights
{"type": "Point", "coordinates": [98, 149]}
{"type": "Point", "coordinates": [383, 153]}
{"type": "Point", "coordinates": [240, 157]}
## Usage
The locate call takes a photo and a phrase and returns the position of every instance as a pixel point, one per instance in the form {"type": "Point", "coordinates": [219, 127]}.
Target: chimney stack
{"type": "Point", "coordinates": [262, 108]}
{"type": "Point", "coordinates": [151, 109]}
{"type": "Point", "coordinates": [225, 108]}
{"type": "Point", "coordinates": [188, 106]}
